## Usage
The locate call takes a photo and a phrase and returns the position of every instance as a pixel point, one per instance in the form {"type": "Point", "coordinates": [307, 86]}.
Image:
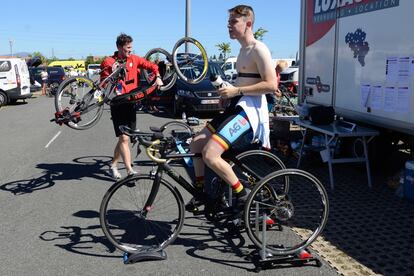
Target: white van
{"type": "Point", "coordinates": [229, 68]}
{"type": "Point", "coordinates": [14, 80]}
{"type": "Point", "coordinates": [93, 71]}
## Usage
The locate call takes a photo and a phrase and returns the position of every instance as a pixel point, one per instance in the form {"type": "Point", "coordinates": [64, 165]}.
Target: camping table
{"type": "Point", "coordinates": [332, 133]}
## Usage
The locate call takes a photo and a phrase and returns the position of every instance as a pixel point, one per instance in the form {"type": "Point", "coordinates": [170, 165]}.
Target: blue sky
{"type": "Point", "coordinates": [80, 28]}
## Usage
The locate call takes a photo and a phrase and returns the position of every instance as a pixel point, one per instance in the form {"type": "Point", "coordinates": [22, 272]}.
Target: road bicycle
{"type": "Point", "coordinates": [145, 213]}
{"type": "Point", "coordinates": [79, 101]}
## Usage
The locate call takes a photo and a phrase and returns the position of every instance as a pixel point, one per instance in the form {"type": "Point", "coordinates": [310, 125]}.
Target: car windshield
{"type": "Point", "coordinates": [94, 67]}
{"type": "Point", "coordinates": [197, 68]}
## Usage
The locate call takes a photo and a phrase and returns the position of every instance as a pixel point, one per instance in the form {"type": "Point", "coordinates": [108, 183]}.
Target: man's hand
{"type": "Point", "coordinates": [228, 92]}
{"type": "Point", "coordinates": [158, 82]}
{"type": "Point", "coordinates": [278, 93]}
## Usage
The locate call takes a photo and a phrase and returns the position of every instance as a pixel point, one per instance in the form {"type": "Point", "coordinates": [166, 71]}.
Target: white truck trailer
{"type": "Point", "coordinates": [358, 56]}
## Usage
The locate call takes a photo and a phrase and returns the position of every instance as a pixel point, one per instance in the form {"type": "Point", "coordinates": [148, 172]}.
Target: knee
{"type": "Point", "coordinates": [123, 139]}
{"type": "Point", "coordinates": [209, 157]}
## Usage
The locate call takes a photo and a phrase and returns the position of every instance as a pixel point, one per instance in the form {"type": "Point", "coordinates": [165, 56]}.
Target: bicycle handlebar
{"type": "Point", "coordinates": [149, 145]}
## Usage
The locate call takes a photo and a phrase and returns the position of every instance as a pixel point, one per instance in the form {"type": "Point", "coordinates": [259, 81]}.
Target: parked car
{"type": "Point", "coordinates": [200, 97]}
{"type": "Point", "coordinates": [55, 76]}
{"type": "Point", "coordinates": [15, 80]}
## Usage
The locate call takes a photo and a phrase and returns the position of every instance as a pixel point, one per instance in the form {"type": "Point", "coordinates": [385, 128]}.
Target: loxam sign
{"type": "Point", "coordinates": [325, 10]}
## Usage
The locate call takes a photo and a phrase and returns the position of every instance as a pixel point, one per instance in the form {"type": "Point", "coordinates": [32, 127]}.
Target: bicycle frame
{"type": "Point", "coordinates": [163, 166]}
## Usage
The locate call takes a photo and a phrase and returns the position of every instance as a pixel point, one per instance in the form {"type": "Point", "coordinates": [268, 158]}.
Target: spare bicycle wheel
{"type": "Point", "coordinates": [163, 59]}
{"type": "Point", "coordinates": [191, 66]}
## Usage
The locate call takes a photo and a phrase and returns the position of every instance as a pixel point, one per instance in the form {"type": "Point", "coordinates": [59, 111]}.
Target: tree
{"type": "Point", "coordinates": [259, 33]}
{"type": "Point", "coordinates": [224, 49]}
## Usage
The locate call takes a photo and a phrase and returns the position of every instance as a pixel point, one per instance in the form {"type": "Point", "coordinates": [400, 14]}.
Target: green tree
{"type": "Point", "coordinates": [224, 49]}
{"type": "Point", "coordinates": [259, 33]}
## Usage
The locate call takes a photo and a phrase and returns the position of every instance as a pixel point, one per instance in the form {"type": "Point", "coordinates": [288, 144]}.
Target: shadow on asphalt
{"type": "Point", "coordinates": [87, 166]}
{"type": "Point", "coordinates": [83, 241]}
{"type": "Point", "coordinates": [373, 226]}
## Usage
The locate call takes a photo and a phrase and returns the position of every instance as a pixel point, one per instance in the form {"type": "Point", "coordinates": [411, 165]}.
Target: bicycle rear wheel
{"type": "Point", "coordinates": [293, 218]}
{"type": "Point", "coordinates": [190, 67]}
{"type": "Point", "coordinates": [256, 165]}
{"type": "Point", "coordinates": [164, 61]}
{"type": "Point", "coordinates": [79, 94]}
{"type": "Point", "coordinates": [133, 227]}
{"type": "Point", "coordinates": [251, 167]}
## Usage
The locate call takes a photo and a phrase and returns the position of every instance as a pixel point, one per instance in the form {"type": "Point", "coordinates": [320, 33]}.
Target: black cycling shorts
{"type": "Point", "coordinates": [123, 114]}
{"type": "Point", "coordinates": [231, 129]}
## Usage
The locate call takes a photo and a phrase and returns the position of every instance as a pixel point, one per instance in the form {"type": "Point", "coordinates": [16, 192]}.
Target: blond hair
{"type": "Point", "coordinates": [281, 65]}
{"type": "Point", "coordinates": [244, 11]}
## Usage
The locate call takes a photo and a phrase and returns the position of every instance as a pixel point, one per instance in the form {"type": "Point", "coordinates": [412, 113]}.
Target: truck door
{"type": "Point", "coordinates": [318, 23]}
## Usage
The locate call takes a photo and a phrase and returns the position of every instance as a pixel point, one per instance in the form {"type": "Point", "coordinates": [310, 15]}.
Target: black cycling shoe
{"type": "Point", "coordinates": [193, 204]}
{"type": "Point", "coordinates": [241, 202]}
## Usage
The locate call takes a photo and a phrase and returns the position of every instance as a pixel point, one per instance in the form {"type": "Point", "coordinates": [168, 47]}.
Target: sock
{"type": "Point", "coordinates": [238, 189]}
{"type": "Point", "coordinates": [199, 182]}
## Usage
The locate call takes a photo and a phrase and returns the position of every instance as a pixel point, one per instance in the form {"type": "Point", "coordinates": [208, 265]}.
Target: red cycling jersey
{"type": "Point", "coordinates": [133, 65]}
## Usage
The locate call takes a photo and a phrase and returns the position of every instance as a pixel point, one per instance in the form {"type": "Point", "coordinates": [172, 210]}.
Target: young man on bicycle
{"type": "Point", "coordinates": [247, 113]}
{"type": "Point", "coordinates": [125, 114]}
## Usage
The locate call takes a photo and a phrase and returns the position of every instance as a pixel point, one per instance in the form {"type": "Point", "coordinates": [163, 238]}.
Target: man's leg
{"type": "Point", "coordinates": [196, 146]}
{"type": "Point", "coordinates": [231, 132]}
{"type": "Point", "coordinates": [123, 145]}
{"type": "Point", "coordinates": [212, 157]}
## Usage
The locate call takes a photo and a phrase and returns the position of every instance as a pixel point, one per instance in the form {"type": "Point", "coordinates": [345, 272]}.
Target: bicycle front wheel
{"type": "Point", "coordinates": [192, 66]}
{"type": "Point", "coordinates": [165, 66]}
{"type": "Point", "coordinates": [79, 94]}
{"type": "Point", "coordinates": [133, 227]}
{"type": "Point", "coordinates": [181, 132]}
{"type": "Point", "coordinates": [292, 219]}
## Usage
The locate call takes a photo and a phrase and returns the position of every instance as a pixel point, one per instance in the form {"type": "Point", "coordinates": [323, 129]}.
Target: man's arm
{"type": "Point", "coordinates": [106, 68]}
{"type": "Point", "coordinates": [143, 63]}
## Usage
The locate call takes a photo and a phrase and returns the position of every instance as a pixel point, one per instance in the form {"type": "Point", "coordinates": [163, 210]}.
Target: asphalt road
{"type": "Point", "coordinates": [50, 192]}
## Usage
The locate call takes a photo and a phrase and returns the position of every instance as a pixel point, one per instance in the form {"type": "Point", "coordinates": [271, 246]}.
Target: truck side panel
{"type": "Point", "coordinates": [359, 57]}
{"type": "Point", "coordinates": [365, 42]}
{"type": "Point", "coordinates": [319, 57]}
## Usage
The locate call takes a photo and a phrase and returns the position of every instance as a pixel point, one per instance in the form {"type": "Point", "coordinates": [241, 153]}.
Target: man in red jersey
{"type": "Point", "coordinates": [125, 114]}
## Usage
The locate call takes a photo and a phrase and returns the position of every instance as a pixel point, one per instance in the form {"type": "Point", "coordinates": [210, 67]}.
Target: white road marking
{"type": "Point", "coordinates": [53, 139]}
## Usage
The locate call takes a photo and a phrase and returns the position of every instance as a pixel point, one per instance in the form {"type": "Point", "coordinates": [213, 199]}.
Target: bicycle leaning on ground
{"type": "Point", "coordinates": [79, 101]}
{"type": "Point", "coordinates": [285, 211]}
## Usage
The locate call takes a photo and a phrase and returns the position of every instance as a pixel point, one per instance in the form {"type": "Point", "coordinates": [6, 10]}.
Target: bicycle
{"type": "Point", "coordinates": [286, 104]}
{"type": "Point", "coordinates": [79, 101]}
{"type": "Point", "coordinates": [145, 213]}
